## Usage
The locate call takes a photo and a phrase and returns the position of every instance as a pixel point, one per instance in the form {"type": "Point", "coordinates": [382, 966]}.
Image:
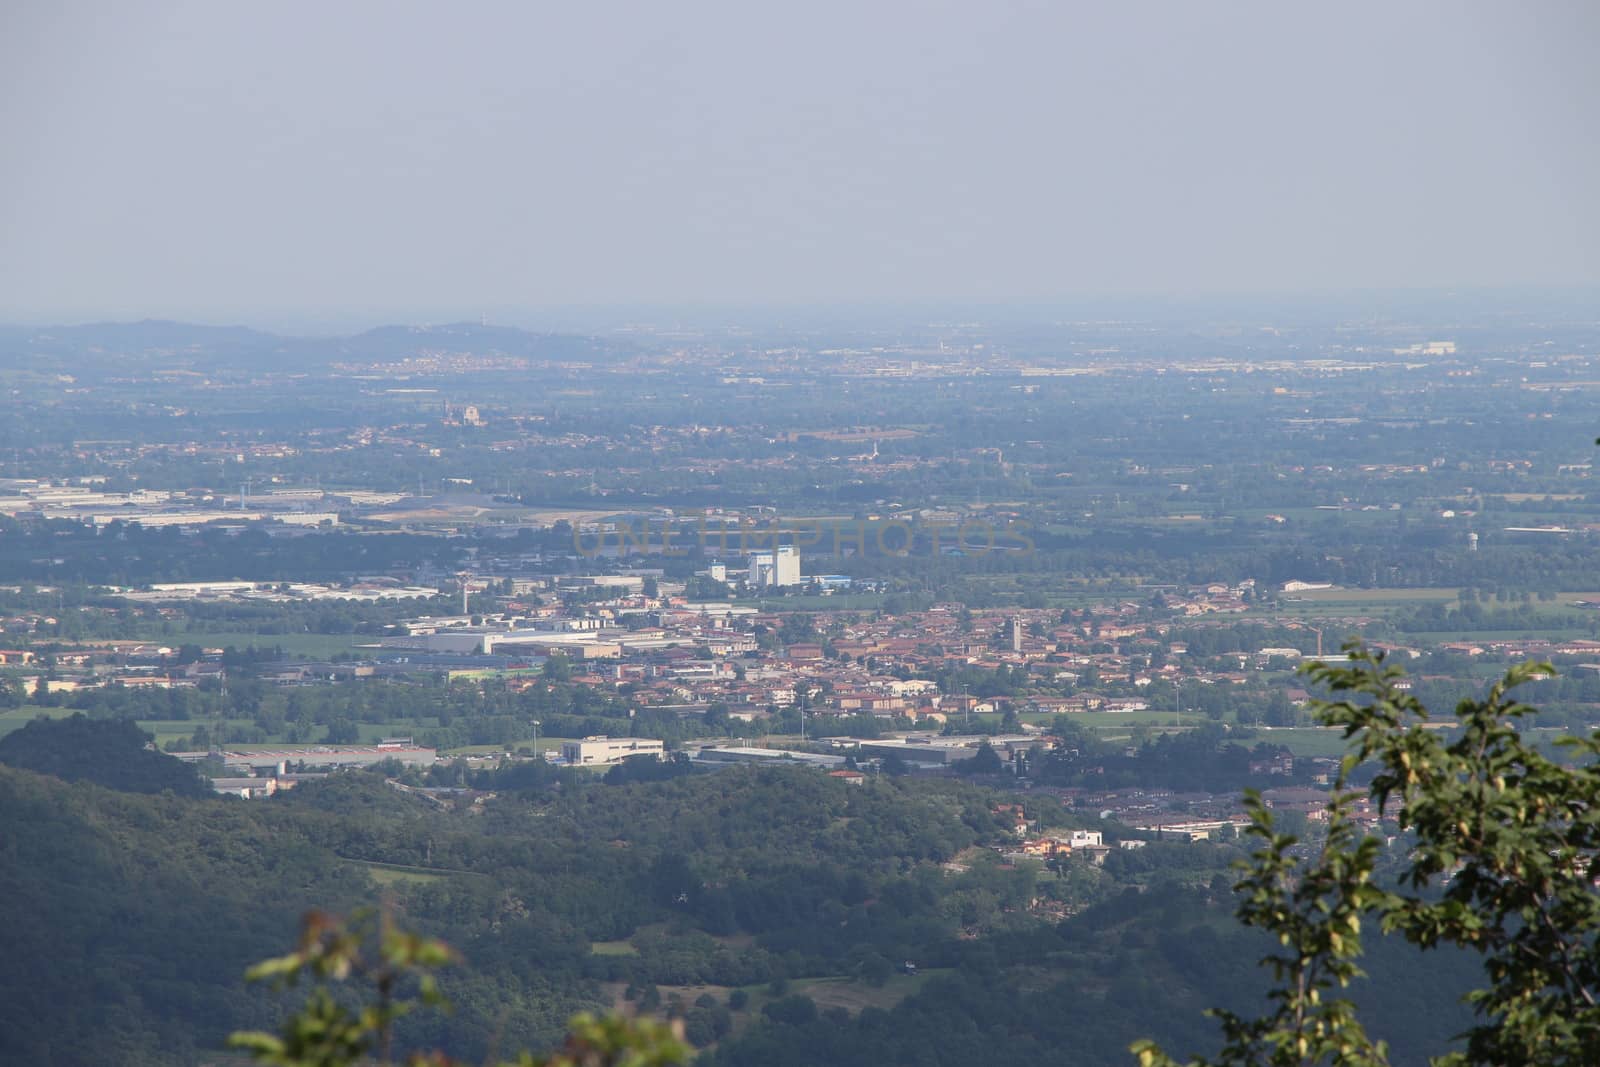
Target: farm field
{"type": "Point", "coordinates": [17, 718]}
{"type": "Point", "coordinates": [832, 602]}
{"type": "Point", "coordinates": [369, 732]}
{"type": "Point", "coordinates": [387, 875]}
{"type": "Point", "coordinates": [830, 992]}
{"type": "Point", "coordinates": [1115, 720]}
{"type": "Point", "coordinates": [1370, 596]}
{"type": "Point", "coordinates": [321, 646]}
{"type": "Point", "coordinates": [612, 948]}
{"type": "Point", "coordinates": [1557, 633]}
{"type": "Point", "coordinates": [166, 730]}
{"type": "Point", "coordinates": [1408, 597]}
{"type": "Point", "coordinates": [1304, 740]}
{"type": "Point", "coordinates": [853, 995]}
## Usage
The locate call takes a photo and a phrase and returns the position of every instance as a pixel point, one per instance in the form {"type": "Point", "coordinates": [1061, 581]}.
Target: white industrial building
{"type": "Point", "coordinates": [743, 754]}
{"type": "Point", "coordinates": [600, 750]}
{"type": "Point", "coordinates": [775, 569]}
{"type": "Point", "coordinates": [320, 757]}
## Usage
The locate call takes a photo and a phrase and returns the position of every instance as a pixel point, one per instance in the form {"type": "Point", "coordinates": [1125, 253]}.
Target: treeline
{"type": "Point", "coordinates": [1207, 759]}
{"type": "Point", "coordinates": [443, 715]}
{"type": "Point", "coordinates": [61, 551]}
{"type": "Point", "coordinates": [1472, 616]}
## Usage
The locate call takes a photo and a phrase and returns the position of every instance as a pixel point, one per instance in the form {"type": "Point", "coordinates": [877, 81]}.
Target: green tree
{"type": "Point", "coordinates": [1315, 910]}
{"type": "Point", "coordinates": [112, 754]}
{"type": "Point", "coordinates": [986, 761]}
{"type": "Point", "coordinates": [326, 1032]}
{"type": "Point", "coordinates": [343, 732]}
{"type": "Point", "coordinates": [396, 969]}
{"type": "Point", "coordinates": [1503, 863]}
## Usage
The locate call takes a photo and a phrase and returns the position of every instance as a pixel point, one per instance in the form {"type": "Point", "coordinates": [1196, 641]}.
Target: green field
{"type": "Point", "coordinates": [1369, 596]}
{"type": "Point", "coordinates": [319, 646]}
{"type": "Point", "coordinates": [1387, 603]}
{"type": "Point", "coordinates": [834, 602]}
{"type": "Point", "coordinates": [833, 992]}
{"type": "Point", "coordinates": [393, 874]}
{"type": "Point", "coordinates": [1333, 603]}
{"type": "Point", "coordinates": [1554, 632]}
{"type": "Point", "coordinates": [851, 995]}
{"type": "Point", "coordinates": [176, 729]}
{"type": "Point", "coordinates": [166, 730]}
{"type": "Point", "coordinates": [1304, 740]}
{"type": "Point", "coordinates": [1118, 720]}
{"type": "Point", "coordinates": [17, 718]}
{"type": "Point", "coordinates": [613, 948]}
{"type": "Point", "coordinates": [369, 732]}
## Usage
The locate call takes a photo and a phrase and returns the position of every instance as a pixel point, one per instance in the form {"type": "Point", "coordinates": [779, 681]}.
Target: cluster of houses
{"type": "Point", "coordinates": [1159, 814]}
{"type": "Point", "coordinates": [636, 635]}
{"type": "Point", "coordinates": [665, 651]}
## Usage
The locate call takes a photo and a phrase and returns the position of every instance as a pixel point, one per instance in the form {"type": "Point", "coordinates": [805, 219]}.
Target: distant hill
{"type": "Point", "coordinates": [389, 342]}
{"type": "Point", "coordinates": [153, 342]}
{"type": "Point", "coordinates": [110, 345]}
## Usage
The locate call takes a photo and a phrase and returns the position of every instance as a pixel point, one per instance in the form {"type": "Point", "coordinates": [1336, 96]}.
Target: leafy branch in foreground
{"type": "Point", "coordinates": [1315, 912]}
{"type": "Point", "coordinates": [1503, 863]}
{"type": "Point", "coordinates": [398, 965]}
{"type": "Point", "coordinates": [368, 948]}
{"type": "Point", "coordinates": [1504, 859]}
{"type": "Point", "coordinates": [613, 1041]}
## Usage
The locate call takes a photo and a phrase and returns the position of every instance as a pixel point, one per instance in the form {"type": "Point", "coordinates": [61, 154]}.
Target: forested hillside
{"type": "Point", "coordinates": [770, 909]}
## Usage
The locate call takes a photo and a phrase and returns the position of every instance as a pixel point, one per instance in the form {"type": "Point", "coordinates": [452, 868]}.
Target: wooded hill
{"type": "Point", "coordinates": [769, 907]}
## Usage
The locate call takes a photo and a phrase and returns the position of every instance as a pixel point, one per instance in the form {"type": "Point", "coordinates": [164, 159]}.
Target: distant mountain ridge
{"type": "Point", "coordinates": [476, 338]}
{"type": "Point", "coordinates": [155, 341]}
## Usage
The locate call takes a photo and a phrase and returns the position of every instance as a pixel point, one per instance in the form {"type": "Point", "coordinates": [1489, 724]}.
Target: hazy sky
{"type": "Point", "coordinates": [267, 160]}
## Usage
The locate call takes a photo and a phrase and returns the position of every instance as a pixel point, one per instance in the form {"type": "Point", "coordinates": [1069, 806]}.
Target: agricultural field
{"type": "Point", "coordinates": [613, 948]}
{"type": "Point", "coordinates": [831, 602]}
{"type": "Point", "coordinates": [1369, 597]}
{"type": "Point", "coordinates": [841, 991]}
{"type": "Point", "coordinates": [853, 995]}
{"type": "Point", "coordinates": [16, 718]}
{"type": "Point", "coordinates": [390, 875]}
{"type": "Point", "coordinates": [1305, 740]}
{"type": "Point", "coordinates": [315, 646]}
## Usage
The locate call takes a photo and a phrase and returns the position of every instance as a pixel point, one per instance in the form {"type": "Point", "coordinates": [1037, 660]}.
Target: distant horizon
{"type": "Point", "coordinates": [316, 165]}
{"type": "Point", "coordinates": [1322, 304]}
